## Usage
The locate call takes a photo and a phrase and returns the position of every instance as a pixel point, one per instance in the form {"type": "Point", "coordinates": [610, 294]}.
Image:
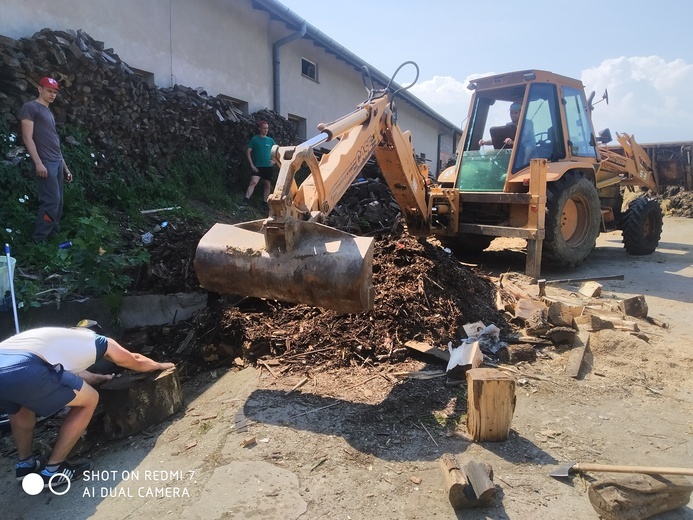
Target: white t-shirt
{"type": "Point", "coordinates": [74, 349]}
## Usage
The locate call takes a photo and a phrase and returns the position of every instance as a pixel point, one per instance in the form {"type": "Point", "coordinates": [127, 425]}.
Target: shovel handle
{"type": "Point", "coordinates": [646, 470]}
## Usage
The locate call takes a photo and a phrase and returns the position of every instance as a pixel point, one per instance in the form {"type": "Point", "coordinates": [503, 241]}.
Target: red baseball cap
{"type": "Point", "coordinates": [49, 83]}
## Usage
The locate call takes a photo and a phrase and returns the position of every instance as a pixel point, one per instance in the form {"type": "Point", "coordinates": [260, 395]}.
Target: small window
{"type": "Point", "coordinates": [299, 124]}
{"type": "Point", "coordinates": [147, 77]}
{"type": "Point", "coordinates": [309, 69]}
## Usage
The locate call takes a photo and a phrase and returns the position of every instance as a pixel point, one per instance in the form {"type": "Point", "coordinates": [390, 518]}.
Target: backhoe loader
{"type": "Point", "coordinates": [546, 178]}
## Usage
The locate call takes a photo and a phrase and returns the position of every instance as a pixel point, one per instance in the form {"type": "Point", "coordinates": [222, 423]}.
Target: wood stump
{"type": "Point", "coordinates": [490, 404]}
{"type": "Point", "coordinates": [136, 401]}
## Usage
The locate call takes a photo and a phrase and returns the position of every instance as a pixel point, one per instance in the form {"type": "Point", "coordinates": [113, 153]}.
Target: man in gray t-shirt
{"type": "Point", "coordinates": [42, 143]}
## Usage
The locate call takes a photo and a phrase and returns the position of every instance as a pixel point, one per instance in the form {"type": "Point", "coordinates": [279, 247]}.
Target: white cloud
{"type": "Point", "coordinates": [648, 97]}
{"type": "Point", "coordinates": [446, 95]}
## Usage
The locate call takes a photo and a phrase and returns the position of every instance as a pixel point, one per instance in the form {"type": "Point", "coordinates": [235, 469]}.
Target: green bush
{"type": "Point", "coordinates": [104, 192]}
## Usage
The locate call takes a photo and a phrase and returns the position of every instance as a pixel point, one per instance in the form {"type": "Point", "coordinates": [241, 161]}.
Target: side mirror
{"type": "Point", "coordinates": [605, 97]}
{"type": "Point", "coordinates": [605, 136]}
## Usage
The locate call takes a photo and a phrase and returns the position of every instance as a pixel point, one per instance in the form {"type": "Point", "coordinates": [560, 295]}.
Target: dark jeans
{"type": "Point", "coordinates": [50, 195]}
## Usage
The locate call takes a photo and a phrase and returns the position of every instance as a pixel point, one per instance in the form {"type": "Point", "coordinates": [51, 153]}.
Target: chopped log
{"type": "Point", "coordinates": [490, 404]}
{"type": "Point", "coordinates": [582, 340]}
{"type": "Point", "coordinates": [638, 497]}
{"type": "Point", "coordinates": [635, 306]}
{"type": "Point", "coordinates": [430, 350]}
{"type": "Point", "coordinates": [525, 309]}
{"type": "Point", "coordinates": [483, 487]}
{"type": "Point", "coordinates": [591, 289]}
{"type": "Point", "coordinates": [462, 492]}
{"type": "Point", "coordinates": [135, 401]}
{"type": "Point", "coordinates": [626, 325]}
{"type": "Point", "coordinates": [593, 323]}
{"type": "Point", "coordinates": [516, 353]}
{"type": "Point", "coordinates": [560, 315]}
{"type": "Point", "coordinates": [472, 330]}
{"type": "Point", "coordinates": [538, 323]}
{"type": "Point", "coordinates": [517, 292]}
{"type": "Point", "coordinates": [576, 309]}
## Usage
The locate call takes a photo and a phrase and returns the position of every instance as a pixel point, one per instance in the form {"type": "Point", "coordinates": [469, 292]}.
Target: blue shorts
{"type": "Point", "coordinates": [26, 380]}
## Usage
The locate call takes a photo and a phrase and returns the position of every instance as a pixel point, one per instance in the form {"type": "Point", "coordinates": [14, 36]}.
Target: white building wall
{"type": "Point", "coordinates": [338, 91]}
{"type": "Point", "coordinates": [223, 46]}
{"type": "Point", "coordinates": [138, 31]}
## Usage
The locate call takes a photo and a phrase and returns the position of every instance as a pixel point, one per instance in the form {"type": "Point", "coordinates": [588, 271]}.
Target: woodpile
{"type": "Point", "coordinates": [128, 120]}
{"type": "Point", "coordinates": [367, 207]}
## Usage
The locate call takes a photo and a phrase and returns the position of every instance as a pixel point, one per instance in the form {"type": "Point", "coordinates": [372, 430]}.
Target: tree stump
{"type": "Point", "coordinates": [490, 404]}
{"type": "Point", "coordinates": [135, 401]}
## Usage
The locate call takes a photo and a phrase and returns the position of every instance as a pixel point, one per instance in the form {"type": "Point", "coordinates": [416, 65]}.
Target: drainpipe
{"type": "Point", "coordinates": [276, 76]}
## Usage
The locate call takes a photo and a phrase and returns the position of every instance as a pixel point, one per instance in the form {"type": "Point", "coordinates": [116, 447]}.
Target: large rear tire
{"type": "Point", "coordinates": [573, 220]}
{"type": "Point", "coordinates": [642, 226]}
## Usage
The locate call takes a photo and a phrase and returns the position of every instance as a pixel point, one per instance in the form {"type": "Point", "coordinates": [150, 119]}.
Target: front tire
{"type": "Point", "coordinates": [573, 220]}
{"type": "Point", "coordinates": [642, 226]}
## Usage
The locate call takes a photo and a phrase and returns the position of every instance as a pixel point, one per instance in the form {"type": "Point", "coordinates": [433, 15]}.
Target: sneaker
{"type": "Point", "coordinates": [246, 201]}
{"type": "Point", "coordinates": [65, 473]}
{"type": "Point", "coordinates": [22, 469]}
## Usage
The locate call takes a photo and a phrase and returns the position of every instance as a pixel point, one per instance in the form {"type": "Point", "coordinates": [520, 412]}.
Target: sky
{"type": "Point", "coordinates": [640, 52]}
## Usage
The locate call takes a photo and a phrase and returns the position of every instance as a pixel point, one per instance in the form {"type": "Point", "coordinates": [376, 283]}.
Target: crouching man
{"type": "Point", "coordinates": [42, 371]}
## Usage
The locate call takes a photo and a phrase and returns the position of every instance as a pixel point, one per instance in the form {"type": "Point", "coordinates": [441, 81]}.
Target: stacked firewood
{"type": "Point", "coordinates": [125, 117]}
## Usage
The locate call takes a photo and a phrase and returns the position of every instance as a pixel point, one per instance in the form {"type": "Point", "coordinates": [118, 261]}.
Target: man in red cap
{"type": "Point", "coordinates": [43, 144]}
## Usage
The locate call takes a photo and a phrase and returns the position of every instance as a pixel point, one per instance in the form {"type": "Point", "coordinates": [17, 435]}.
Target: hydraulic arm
{"type": "Point", "coordinates": [292, 255]}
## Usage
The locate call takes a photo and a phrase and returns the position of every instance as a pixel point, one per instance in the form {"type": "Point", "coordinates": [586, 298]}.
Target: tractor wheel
{"type": "Point", "coordinates": [573, 220]}
{"type": "Point", "coordinates": [468, 243]}
{"type": "Point", "coordinates": [642, 226]}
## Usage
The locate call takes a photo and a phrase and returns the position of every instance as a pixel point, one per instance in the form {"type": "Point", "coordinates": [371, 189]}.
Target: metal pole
{"type": "Point", "coordinates": [9, 273]}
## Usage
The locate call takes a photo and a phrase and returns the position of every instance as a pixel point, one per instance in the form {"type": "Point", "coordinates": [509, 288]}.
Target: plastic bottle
{"type": "Point", "coordinates": [65, 245]}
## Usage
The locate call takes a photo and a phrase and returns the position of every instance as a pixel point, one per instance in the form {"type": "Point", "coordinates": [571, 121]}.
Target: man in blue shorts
{"type": "Point", "coordinates": [259, 153]}
{"type": "Point", "coordinates": [44, 370]}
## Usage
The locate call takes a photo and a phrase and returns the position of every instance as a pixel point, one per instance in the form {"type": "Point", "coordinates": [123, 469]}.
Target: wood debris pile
{"type": "Point", "coordinates": [422, 293]}
{"type": "Point", "coordinates": [677, 202]}
{"type": "Point", "coordinates": [367, 207]}
{"type": "Point", "coordinates": [126, 117]}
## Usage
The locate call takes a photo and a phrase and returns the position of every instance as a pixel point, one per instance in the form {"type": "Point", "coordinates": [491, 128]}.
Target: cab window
{"type": "Point", "coordinates": [580, 138]}
{"type": "Point", "coordinates": [540, 130]}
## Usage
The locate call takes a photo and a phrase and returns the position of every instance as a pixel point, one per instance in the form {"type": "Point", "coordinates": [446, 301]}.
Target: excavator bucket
{"type": "Point", "coordinates": [313, 264]}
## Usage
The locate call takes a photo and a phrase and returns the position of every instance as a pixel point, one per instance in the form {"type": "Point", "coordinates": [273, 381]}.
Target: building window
{"type": "Point", "coordinates": [299, 124]}
{"type": "Point", "coordinates": [147, 77]}
{"type": "Point", "coordinates": [309, 69]}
